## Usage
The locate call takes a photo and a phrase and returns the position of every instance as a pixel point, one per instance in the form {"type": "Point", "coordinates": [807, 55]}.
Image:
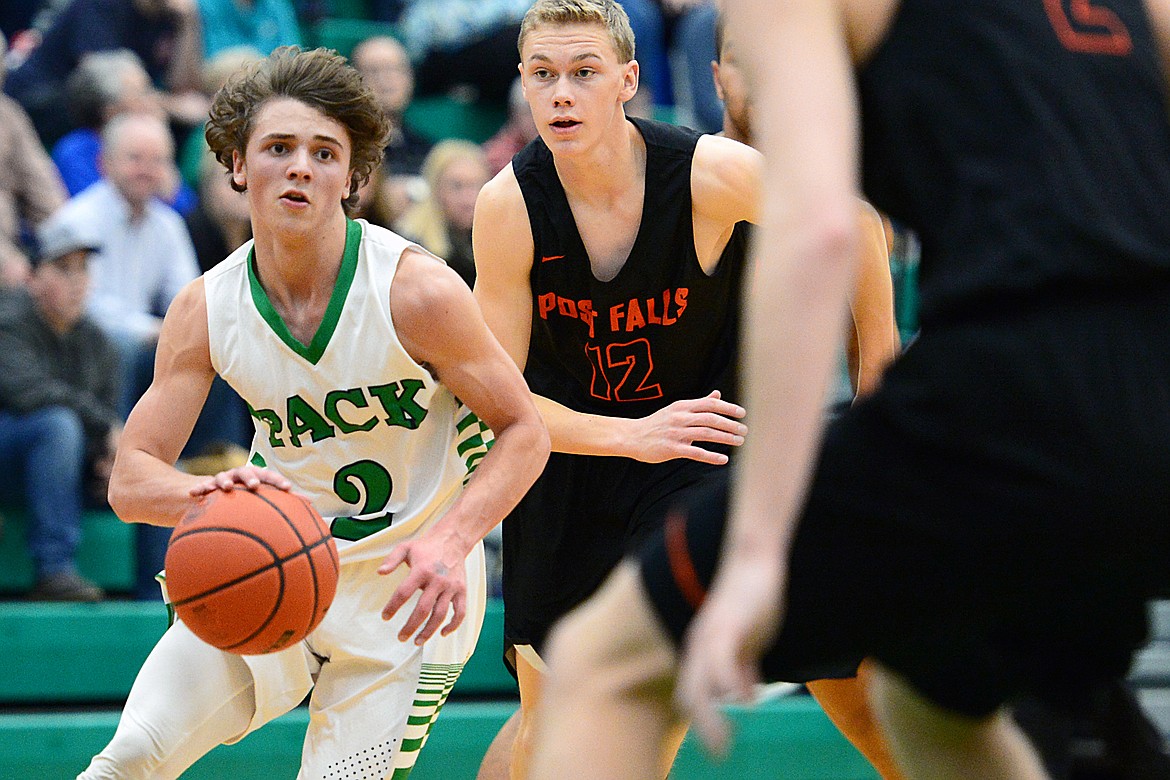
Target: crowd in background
{"type": "Point", "coordinates": [110, 202]}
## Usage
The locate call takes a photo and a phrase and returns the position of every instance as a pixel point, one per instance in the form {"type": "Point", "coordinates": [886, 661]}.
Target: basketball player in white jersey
{"type": "Point", "coordinates": [350, 346]}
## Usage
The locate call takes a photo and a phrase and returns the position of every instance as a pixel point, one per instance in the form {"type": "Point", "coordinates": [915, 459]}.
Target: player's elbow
{"type": "Point", "coordinates": [535, 442]}
{"type": "Point", "coordinates": [834, 238]}
{"type": "Point", "coordinates": [120, 492]}
{"type": "Point", "coordinates": [541, 441]}
{"type": "Point", "coordinates": [118, 498]}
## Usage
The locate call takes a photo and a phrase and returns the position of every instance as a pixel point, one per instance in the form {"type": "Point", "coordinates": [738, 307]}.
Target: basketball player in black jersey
{"type": "Point", "coordinates": [609, 257]}
{"type": "Point", "coordinates": [992, 520]}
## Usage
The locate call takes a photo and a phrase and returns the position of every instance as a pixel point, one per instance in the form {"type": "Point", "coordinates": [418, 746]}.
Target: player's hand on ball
{"type": "Point", "coordinates": [437, 573]}
{"type": "Point", "coordinates": [672, 431]}
{"type": "Point", "coordinates": [249, 477]}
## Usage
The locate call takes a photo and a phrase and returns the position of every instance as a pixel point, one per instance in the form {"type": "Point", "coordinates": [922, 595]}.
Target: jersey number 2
{"type": "Point", "coordinates": [623, 372]}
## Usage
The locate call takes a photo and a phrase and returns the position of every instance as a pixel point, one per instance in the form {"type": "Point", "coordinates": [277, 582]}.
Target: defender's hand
{"type": "Point", "coordinates": [672, 431]}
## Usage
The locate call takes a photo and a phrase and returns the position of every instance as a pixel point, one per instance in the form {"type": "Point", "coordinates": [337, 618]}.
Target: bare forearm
{"type": "Point", "coordinates": [804, 258]}
{"type": "Point", "coordinates": [144, 489]}
{"type": "Point", "coordinates": [801, 322]}
{"type": "Point", "coordinates": [874, 325]}
{"type": "Point", "coordinates": [585, 434]}
{"type": "Point", "coordinates": [502, 478]}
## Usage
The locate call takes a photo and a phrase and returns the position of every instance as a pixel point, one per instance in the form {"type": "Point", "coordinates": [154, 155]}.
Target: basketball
{"type": "Point", "coordinates": [251, 572]}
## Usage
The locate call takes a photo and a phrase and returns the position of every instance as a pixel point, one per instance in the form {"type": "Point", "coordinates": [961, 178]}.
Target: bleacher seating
{"type": "Point", "coordinates": [342, 35]}
{"type": "Point", "coordinates": [89, 653]}
{"type": "Point", "coordinates": [790, 738]}
{"type": "Point", "coordinates": [1150, 675]}
{"type": "Point", "coordinates": [69, 667]}
{"type": "Point", "coordinates": [106, 554]}
{"type": "Point", "coordinates": [437, 117]}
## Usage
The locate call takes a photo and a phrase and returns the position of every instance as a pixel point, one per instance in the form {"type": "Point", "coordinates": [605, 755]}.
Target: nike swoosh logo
{"type": "Point", "coordinates": [551, 257]}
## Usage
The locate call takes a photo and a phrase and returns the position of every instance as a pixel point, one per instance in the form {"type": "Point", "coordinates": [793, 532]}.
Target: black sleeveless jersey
{"type": "Point", "coordinates": [661, 330]}
{"type": "Point", "coordinates": [1026, 141]}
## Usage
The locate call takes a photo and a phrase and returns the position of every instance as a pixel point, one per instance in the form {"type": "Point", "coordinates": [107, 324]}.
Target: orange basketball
{"type": "Point", "coordinates": [251, 572]}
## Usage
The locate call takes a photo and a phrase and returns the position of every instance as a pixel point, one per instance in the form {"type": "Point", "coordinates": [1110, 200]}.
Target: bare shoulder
{"type": "Point", "coordinates": [723, 160]}
{"type": "Point", "coordinates": [867, 210]}
{"type": "Point", "coordinates": [725, 179]}
{"type": "Point", "coordinates": [501, 232]}
{"type": "Point", "coordinates": [866, 23]}
{"type": "Point", "coordinates": [186, 318]}
{"type": "Point", "coordinates": [1159, 12]}
{"type": "Point", "coordinates": [428, 302]}
{"type": "Point", "coordinates": [184, 344]}
{"type": "Point", "coordinates": [500, 197]}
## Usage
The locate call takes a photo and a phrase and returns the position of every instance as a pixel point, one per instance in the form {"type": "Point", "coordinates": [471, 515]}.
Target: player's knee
{"type": "Point", "coordinates": [575, 651]}
{"type": "Point", "coordinates": [610, 646]}
{"type": "Point", "coordinates": [132, 755]}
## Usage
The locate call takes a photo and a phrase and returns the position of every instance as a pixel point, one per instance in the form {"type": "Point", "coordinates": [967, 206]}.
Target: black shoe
{"type": "Point", "coordinates": [65, 586]}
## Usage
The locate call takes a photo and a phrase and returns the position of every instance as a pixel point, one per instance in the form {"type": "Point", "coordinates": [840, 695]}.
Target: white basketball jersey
{"type": "Point", "coordinates": [351, 419]}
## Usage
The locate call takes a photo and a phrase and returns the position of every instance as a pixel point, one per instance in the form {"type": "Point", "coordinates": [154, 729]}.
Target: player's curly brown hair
{"type": "Point", "coordinates": [319, 78]}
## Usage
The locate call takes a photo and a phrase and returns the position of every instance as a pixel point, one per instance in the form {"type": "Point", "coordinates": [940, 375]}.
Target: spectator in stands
{"type": "Point", "coordinates": [262, 25]}
{"type": "Point", "coordinates": [221, 222]}
{"type": "Point", "coordinates": [682, 32]}
{"type": "Point", "coordinates": [16, 17]}
{"type": "Point", "coordinates": [465, 45]}
{"type": "Point", "coordinates": [455, 171]}
{"type": "Point", "coordinates": [386, 69]}
{"type": "Point", "coordinates": [218, 225]}
{"type": "Point", "coordinates": [30, 189]}
{"type": "Point", "coordinates": [145, 255]}
{"type": "Point", "coordinates": [58, 413]}
{"type": "Point", "coordinates": [514, 135]}
{"type": "Point", "coordinates": [384, 198]}
{"type": "Point", "coordinates": [163, 33]}
{"type": "Point", "coordinates": [216, 72]}
{"type": "Point", "coordinates": [104, 85]}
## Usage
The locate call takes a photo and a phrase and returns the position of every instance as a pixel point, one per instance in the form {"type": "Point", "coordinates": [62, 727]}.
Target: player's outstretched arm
{"type": "Point", "coordinates": [145, 487]}
{"type": "Point", "coordinates": [440, 324]}
{"type": "Point", "coordinates": [873, 339]}
{"type": "Point", "coordinates": [503, 246]}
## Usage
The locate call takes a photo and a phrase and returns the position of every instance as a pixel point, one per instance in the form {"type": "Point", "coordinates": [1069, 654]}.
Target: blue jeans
{"type": "Point", "coordinates": [46, 449]}
{"type": "Point", "coordinates": [695, 40]}
{"type": "Point", "coordinates": [691, 39]}
{"type": "Point", "coordinates": [650, 49]}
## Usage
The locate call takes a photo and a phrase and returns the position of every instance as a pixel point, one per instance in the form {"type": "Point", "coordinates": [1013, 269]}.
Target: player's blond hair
{"type": "Point", "coordinates": [606, 13]}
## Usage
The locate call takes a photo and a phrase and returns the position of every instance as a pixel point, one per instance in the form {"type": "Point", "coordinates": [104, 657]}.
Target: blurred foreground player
{"type": "Point", "coordinates": [991, 522]}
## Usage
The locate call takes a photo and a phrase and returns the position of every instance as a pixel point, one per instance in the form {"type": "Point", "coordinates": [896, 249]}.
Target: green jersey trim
{"type": "Point", "coordinates": [345, 276]}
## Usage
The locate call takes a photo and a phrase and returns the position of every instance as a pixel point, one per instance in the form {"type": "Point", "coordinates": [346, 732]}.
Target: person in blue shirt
{"type": "Point", "coordinates": [261, 24]}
